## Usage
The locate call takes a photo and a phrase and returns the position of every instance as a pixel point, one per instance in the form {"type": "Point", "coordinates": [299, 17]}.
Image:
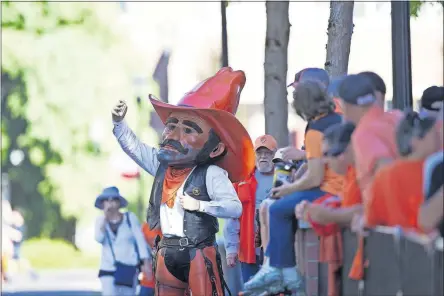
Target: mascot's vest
{"type": "Point", "coordinates": [197, 226]}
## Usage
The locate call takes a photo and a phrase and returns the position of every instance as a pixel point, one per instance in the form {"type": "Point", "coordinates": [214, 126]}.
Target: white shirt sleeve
{"type": "Point", "coordinates": [144, 155]}
{"type": "Point", "coordinates": [231, 236]}
{"type": "Point", "coordinates": [224, 200]}
{"type": "Point", "coordinates": [99, 235]}
{"type": "Point", "coordinates": [138, 235]}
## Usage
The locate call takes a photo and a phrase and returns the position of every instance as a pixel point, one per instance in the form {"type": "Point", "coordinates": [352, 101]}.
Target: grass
{"type": "Point", "coordinates": [221, 227]}
{"type": "Point", "coordinates": [57, 254]}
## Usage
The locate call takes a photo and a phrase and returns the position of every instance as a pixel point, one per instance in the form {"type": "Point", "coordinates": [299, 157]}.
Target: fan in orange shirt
{"type": "Point", "coordinates": [339, 156]}
{"type": "Point", "coordinates": [397, 190]}
{"type": "Point", "coordinates": [326, 214]}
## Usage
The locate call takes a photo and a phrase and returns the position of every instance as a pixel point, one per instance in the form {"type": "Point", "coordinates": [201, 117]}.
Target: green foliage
{"type": "Point", "coordinates": [63, 66]}
{"type": "Point", "coordinates": [415, 6]}
{"type": "Point", "coordinates": [57, 254]}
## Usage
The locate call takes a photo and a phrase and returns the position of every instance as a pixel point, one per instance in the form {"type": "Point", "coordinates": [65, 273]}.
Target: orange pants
{"type": "Point", "coordinates": [181, 269]}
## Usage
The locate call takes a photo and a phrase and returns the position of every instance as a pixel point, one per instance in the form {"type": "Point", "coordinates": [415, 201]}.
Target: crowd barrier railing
{"type": "Point", "coordinates": [399, 263]}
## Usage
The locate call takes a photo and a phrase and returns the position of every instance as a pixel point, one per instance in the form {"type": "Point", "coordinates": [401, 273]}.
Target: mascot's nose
{"type": "Point", "coordinates": [173, 134]}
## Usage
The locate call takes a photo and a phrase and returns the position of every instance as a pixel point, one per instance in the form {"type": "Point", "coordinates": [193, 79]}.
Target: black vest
{"type": "Point", "coordinates": [197, 226]}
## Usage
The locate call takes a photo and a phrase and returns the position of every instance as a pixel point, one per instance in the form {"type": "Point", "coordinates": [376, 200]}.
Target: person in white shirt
{"type": "Point", "coordinates": [122, 243]}
{"type": "Point", "coordinates": [204, 150]}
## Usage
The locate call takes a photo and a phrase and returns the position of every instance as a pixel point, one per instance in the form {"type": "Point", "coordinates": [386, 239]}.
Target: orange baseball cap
{"type": "Point", "coordinates": [266, 141]}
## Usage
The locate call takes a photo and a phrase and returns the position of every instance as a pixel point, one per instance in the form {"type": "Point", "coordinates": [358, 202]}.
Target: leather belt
{"type": "Point", "coordinates": [184, 242]}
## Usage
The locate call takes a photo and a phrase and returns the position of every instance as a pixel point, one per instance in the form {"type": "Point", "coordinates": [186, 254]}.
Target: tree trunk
{"type": "Point", "coordinates": [275, 71]}
{"type": "Point", "coordinates": [340, 30]}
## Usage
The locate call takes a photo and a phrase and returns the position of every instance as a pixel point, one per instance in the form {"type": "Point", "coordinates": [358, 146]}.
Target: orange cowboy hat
{"type": "Point", "coordinates": [216, 100]}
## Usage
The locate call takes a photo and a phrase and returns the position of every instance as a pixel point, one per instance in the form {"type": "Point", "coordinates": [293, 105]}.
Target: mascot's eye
{"type": "Point", "coordinates": [170, 127]}
{"type": "Point", "coordinates": [188, 130]}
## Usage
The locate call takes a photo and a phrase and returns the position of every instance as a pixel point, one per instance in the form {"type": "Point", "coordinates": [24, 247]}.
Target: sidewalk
{"type": "Point", "coordinates": [55, 282]}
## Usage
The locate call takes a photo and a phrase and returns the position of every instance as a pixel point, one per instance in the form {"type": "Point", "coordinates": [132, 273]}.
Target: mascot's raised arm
{"type": "Point", "coordinates": [204, 149]}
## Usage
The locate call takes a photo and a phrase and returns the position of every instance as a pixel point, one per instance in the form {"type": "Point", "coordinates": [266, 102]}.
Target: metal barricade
{"type": "Point", "coordinates": [323, 279]}
{"type": "Point", "coordinates": [382, 277]}
{"type": "Point", "coordinates": [418, 260]}
{"type": "Point", "coordinates": [349, 245]}
{"type": "Point", "coordinates": [400, 263]}
{"type": "Point", "coordinates": [438, 269]}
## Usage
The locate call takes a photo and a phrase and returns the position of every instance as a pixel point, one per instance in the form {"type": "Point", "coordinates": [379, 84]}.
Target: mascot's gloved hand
{"type": "Point", "coordinates": [188, 203]}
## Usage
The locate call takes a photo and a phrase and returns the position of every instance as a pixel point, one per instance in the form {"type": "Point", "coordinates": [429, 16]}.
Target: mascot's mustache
{"type": "Point", "coordinates": [175, 144]}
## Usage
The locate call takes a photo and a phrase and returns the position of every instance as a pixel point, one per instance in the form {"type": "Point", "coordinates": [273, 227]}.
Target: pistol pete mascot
{"type": "Point", "coordinates": [203, 151]}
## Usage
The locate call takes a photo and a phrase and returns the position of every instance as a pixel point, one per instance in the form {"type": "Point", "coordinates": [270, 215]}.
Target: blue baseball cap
{"type": "Point", "coordinates": [311, 74]}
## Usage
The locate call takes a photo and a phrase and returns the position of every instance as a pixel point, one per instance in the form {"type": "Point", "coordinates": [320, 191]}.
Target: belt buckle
{"type": "Point", "coordinates": [183, 242]}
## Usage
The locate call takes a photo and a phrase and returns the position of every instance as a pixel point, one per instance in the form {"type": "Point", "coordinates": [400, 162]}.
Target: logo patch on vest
{"type": "Point", "coordinates": [196, 191]}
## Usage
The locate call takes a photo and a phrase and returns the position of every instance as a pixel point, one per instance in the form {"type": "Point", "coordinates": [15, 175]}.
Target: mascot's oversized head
{"type": "Point", "coordinates": [203, 129]}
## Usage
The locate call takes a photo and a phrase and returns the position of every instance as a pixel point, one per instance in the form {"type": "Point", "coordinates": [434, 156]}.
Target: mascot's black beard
{"type": "Point", "coordinates": [204, 155]}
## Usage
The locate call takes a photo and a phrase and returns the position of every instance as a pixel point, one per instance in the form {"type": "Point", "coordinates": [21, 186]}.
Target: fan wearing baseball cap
{"type": "Point", "coordinates": [373, 140]}
{"type": "Point", "coordinates": [379, 85]}
{"type": "Point", "coordinates": [432, 101]}
{"type": "Point", "coordinates": [321, 76]}
{"type": "Point", "coordinates": [242, 236]}
{"type": "Point", "coordinates": [278, 273]}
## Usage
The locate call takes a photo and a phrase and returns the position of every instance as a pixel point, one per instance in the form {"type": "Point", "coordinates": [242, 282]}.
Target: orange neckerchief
{"type": "Point", "coordinates": [174, 178]}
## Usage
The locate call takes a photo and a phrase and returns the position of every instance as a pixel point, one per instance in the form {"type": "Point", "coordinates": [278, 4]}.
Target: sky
{"type": "Point", "coordinates": [192, 31]}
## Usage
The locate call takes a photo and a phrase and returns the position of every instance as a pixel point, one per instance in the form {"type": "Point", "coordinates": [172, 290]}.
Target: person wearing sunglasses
{"type": "Point", "coordinates": [124, 249]}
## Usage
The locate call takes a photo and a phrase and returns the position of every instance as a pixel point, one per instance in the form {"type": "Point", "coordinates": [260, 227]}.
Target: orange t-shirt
{"type": "Point", "coordinates": [374, 139]}
{"type": "Point", "coordinates": [397, 195]}
{"type": "Point", "coordinates": [351, 193]}
{"type": "Point", "coordinates": [314, 135]}
{"type": "Point", "coordinates": [150, 237]}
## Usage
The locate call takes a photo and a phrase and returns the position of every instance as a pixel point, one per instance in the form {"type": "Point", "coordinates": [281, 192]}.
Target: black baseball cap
{"type": "Point", "coordinates": [432, 100]}
{"type": "Point", "coordinates": [312, 74]}
{"type": "Point", "coordinates": [338, 137]}
{"type": "Point", "coordinates": [377, 81]}
{"type": "Point", "coordinates": [357, 89]}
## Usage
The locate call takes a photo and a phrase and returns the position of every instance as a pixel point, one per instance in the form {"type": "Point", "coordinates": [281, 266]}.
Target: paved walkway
{"type": "Point", "coordinates": [55, 283]}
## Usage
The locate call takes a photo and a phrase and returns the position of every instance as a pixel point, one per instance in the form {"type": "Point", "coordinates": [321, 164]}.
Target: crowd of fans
{"type": "Point", "coordinates": [364, 167]}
